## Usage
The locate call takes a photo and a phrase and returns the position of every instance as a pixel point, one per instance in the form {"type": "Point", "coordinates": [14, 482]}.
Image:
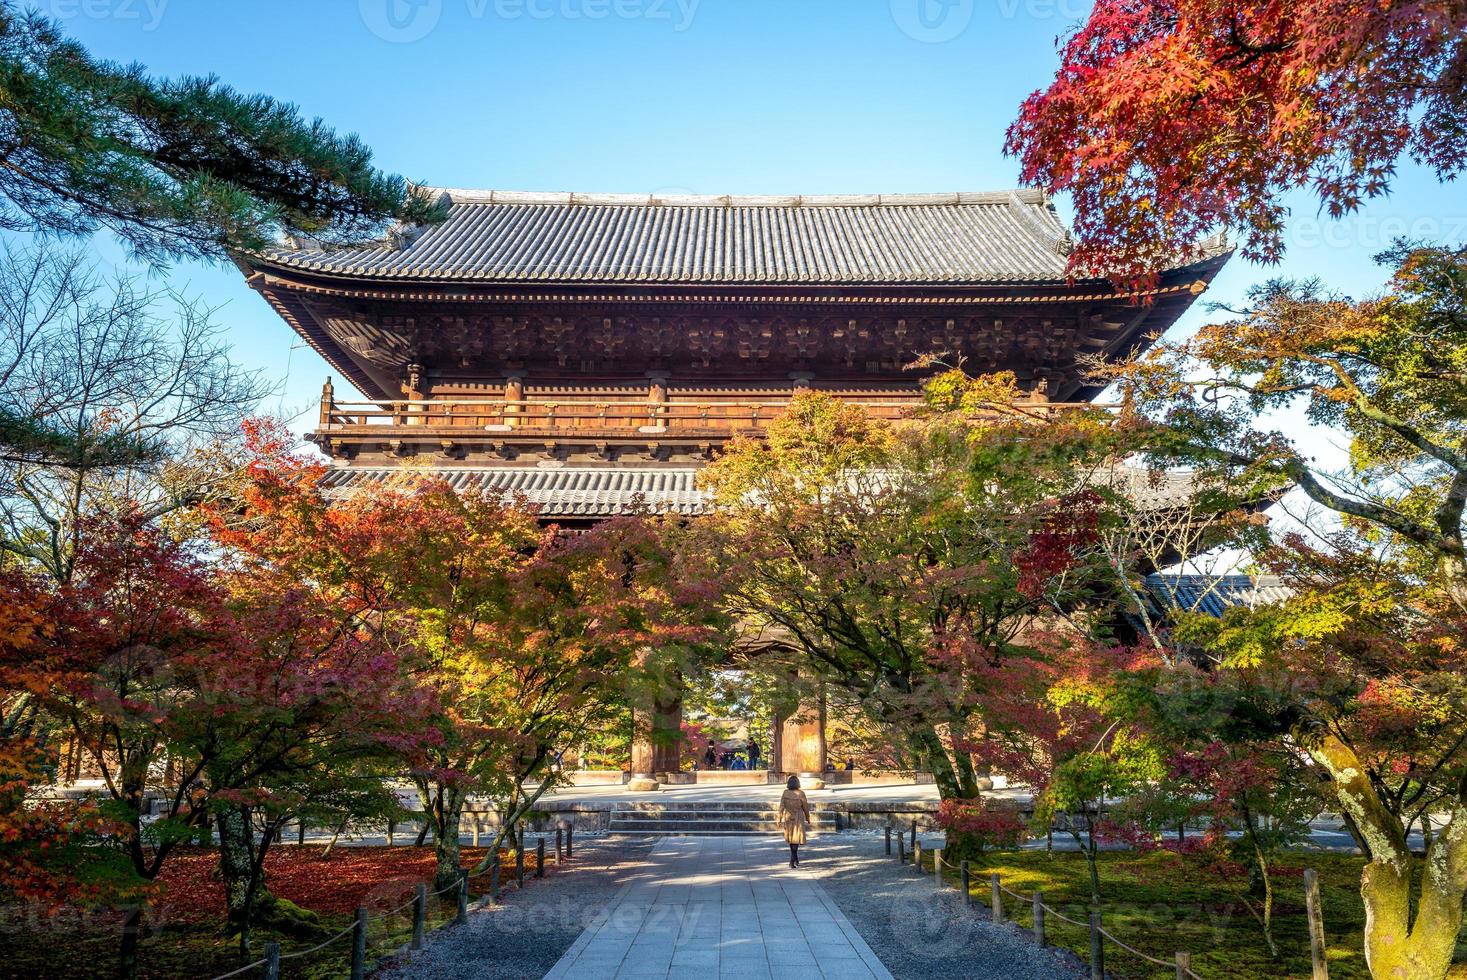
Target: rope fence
{"type": "Point", "coordinates": [1040, 909]}
{"type": "Point", "coordinates": [1182, 963]}
{"type": "Point", "coordinates": [418, 906]}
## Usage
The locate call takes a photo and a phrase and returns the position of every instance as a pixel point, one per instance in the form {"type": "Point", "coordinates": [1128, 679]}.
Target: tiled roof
{"type": "Point", "coordinates": [506, 237]}
{"type": "Point", "coordinates": [1212, 594]}
{"type": "Point", "coordinates": [570, 492]}
{"type": "Point", "coordinates": [595, 492]}
{"type": "Point", "coordinates": [1155, 489]}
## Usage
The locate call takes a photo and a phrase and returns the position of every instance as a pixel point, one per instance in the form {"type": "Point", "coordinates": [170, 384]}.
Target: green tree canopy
{"type": "Point", "coordinates": [177, 168]}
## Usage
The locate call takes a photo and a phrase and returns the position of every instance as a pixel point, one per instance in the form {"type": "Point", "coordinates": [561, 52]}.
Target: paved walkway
{"type": "Point", "coordinates": [720, 907]}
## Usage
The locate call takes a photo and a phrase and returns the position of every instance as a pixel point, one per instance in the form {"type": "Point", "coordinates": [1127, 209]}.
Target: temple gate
{"type": "Point", "coordinates": [592, 352]}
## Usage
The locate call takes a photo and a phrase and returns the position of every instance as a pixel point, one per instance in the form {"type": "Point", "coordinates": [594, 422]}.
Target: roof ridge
{"type": "Point", "coordinates": [1024, 195]}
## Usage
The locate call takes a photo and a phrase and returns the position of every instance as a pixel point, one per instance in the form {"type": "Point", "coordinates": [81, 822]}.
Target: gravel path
{"type": "Point", "coordinates": [919, 932]}
{"type": "Point", "coordinates": [524, 936]}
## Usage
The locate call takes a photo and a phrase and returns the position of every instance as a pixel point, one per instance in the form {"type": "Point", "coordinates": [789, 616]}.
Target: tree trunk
{"type": "Point", "coordinates": [1092, 861]}
{"type": "Point", "coordinates": [340, 828]}
{"type": "Point", "coordinates": [446, 820]}
{"type": "Point", "coordinates": [1395, 945]}
{"type": "Point", "coordinates": [929, 746]}
{"type": "Point", "coordinates": [967, 776]}
{"type": "Point", "coordinates": [132, 927]}
{"type": "Point", "coordinates": [236, 865]}
{"type": "Point", "coordinates": [442, 811]}
{"type": "Point", "coordinates": [954, 782]}
{"type": "Point", "coordinates": [510, 817]}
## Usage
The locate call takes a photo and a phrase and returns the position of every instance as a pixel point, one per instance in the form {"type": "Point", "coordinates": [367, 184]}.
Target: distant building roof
{"type": "Point", "coordinates": [1212, 594]}
{"type": "Point", "coordinates": [905, 239]}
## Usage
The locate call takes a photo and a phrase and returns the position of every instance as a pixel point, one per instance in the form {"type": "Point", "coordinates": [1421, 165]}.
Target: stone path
{"type": "Point", "coordinates": [720, 907]}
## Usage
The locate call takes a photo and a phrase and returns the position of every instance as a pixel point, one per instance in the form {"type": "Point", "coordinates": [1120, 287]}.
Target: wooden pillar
{"type": "Point", "coordinates": [514, 393]}
{"type": "Point", "coordinates": [667, 735]}
{"type": "Point", "coordinates": [801, 743]}
{"type": "Point", "coordinates": [328, 403]}
{"type": "Point", "coordinates": [657, 402]}
{"type": "Point", "coordinates": [413, 389]}
{"type": "Point", "coordinates": [643, 761]}
{"type": "Point", "coordinates": [656, 742]}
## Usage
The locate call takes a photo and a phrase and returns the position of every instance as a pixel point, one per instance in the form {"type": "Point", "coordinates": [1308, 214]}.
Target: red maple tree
{"type": "Point", "coordinates": [1170, 120]}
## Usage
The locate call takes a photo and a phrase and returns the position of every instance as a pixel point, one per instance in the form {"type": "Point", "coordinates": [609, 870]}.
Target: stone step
{"type": "Point", "coordinates": [698, 826]}
{"type": "Point", "coordinates": [699, 819]}
{"type": "Point", "coordinates": [696, 834]}
{"type": "Point", "coordinates": [763, 815]}
{"type": "Point", "coordinates": [701, 830]}
{"type": "Point", "coordinates": [767, 820]}
{"type": "Point", "coordinates": [753, 805]}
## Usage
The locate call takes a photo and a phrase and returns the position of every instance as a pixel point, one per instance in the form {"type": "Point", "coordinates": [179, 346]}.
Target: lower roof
{"type": "Point", "coordinates": [604, 492]}
{"type": "Point", "coordinates": [557, 493]}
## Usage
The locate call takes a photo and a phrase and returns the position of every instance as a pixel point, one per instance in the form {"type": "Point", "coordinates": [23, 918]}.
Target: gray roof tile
{"type": "Point", "coordinates": [598, 492]}
{"type": "Point", "coordinates": [1212, 594]}
{"type": "Point", "coordinates": [506, 237]}
{"type": "Point", "coordinates": [570, 492]}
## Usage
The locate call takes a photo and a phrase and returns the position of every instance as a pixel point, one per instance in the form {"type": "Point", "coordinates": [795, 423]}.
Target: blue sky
{"type": "Point", "coordinates": [702, 96]}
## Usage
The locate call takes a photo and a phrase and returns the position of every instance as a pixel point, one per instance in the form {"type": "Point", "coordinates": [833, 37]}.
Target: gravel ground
{"type": "Point", "coordinates": [524, 936]}
{"type": "Point", "coordinates": [919, 932]}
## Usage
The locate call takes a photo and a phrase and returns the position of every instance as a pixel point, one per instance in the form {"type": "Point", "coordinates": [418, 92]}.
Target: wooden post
{"type": "Point", "coordinates": [559, 843]}
{"type": "Point", "coordinates": [1184, 966]}
{"type": "Point", "coordinates": [995, 888]}
{"type": "Point", "coordinates": [1039, 937]}
{"type": "Point", "coordinates": [937, 867]}
{"type": "Point", "coordinates": [917, 856]}
{"type": "Point", "coordinates": [901, 849]}
{"type": "Point", "coordinates": [1316, 924]}
{"type": "Point", "coordinates": [474, 826]}
{"type": "Point", "coordinates": [300, 833]}
{"type": "Point", "coordinates": [1097, 948]}
{"type": "Point", "coordinates": [359, 945]}
{"type": "Point", "coordinates": [965, 879]}
{"type": "Point", "coordinates": [391, 826]}
{"type": "Point", "coordinates": [420, 914]}
{"type": "Point", "coordinates": [272, 961]}
{"type": "Point", "coordinates": [463, 898]}
{"type": "Point", "coordinates": [888, 840]}
{"type": "Point", "coordinates": [540, 858]}
{"type": "Point", "coordinates": [914, 833]}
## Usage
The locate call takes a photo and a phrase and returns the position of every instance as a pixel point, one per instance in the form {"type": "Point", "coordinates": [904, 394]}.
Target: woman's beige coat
{"type": "Point", "coordinates": [794, 815]}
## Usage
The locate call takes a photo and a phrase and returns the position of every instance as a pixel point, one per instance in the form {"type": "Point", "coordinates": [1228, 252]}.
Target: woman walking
{"type": "Point", "coordinates": [794, 818]}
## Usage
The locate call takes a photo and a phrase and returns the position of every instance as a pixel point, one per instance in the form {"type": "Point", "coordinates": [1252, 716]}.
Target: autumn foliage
{"type": "Point", "coordinates": [1170, 120]}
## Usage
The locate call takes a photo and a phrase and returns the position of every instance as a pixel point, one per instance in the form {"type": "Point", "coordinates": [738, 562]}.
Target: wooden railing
{"type": "Point", "coordinates": [559, 416]}
{"type": "Point", "coordinates": [537, 416]}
